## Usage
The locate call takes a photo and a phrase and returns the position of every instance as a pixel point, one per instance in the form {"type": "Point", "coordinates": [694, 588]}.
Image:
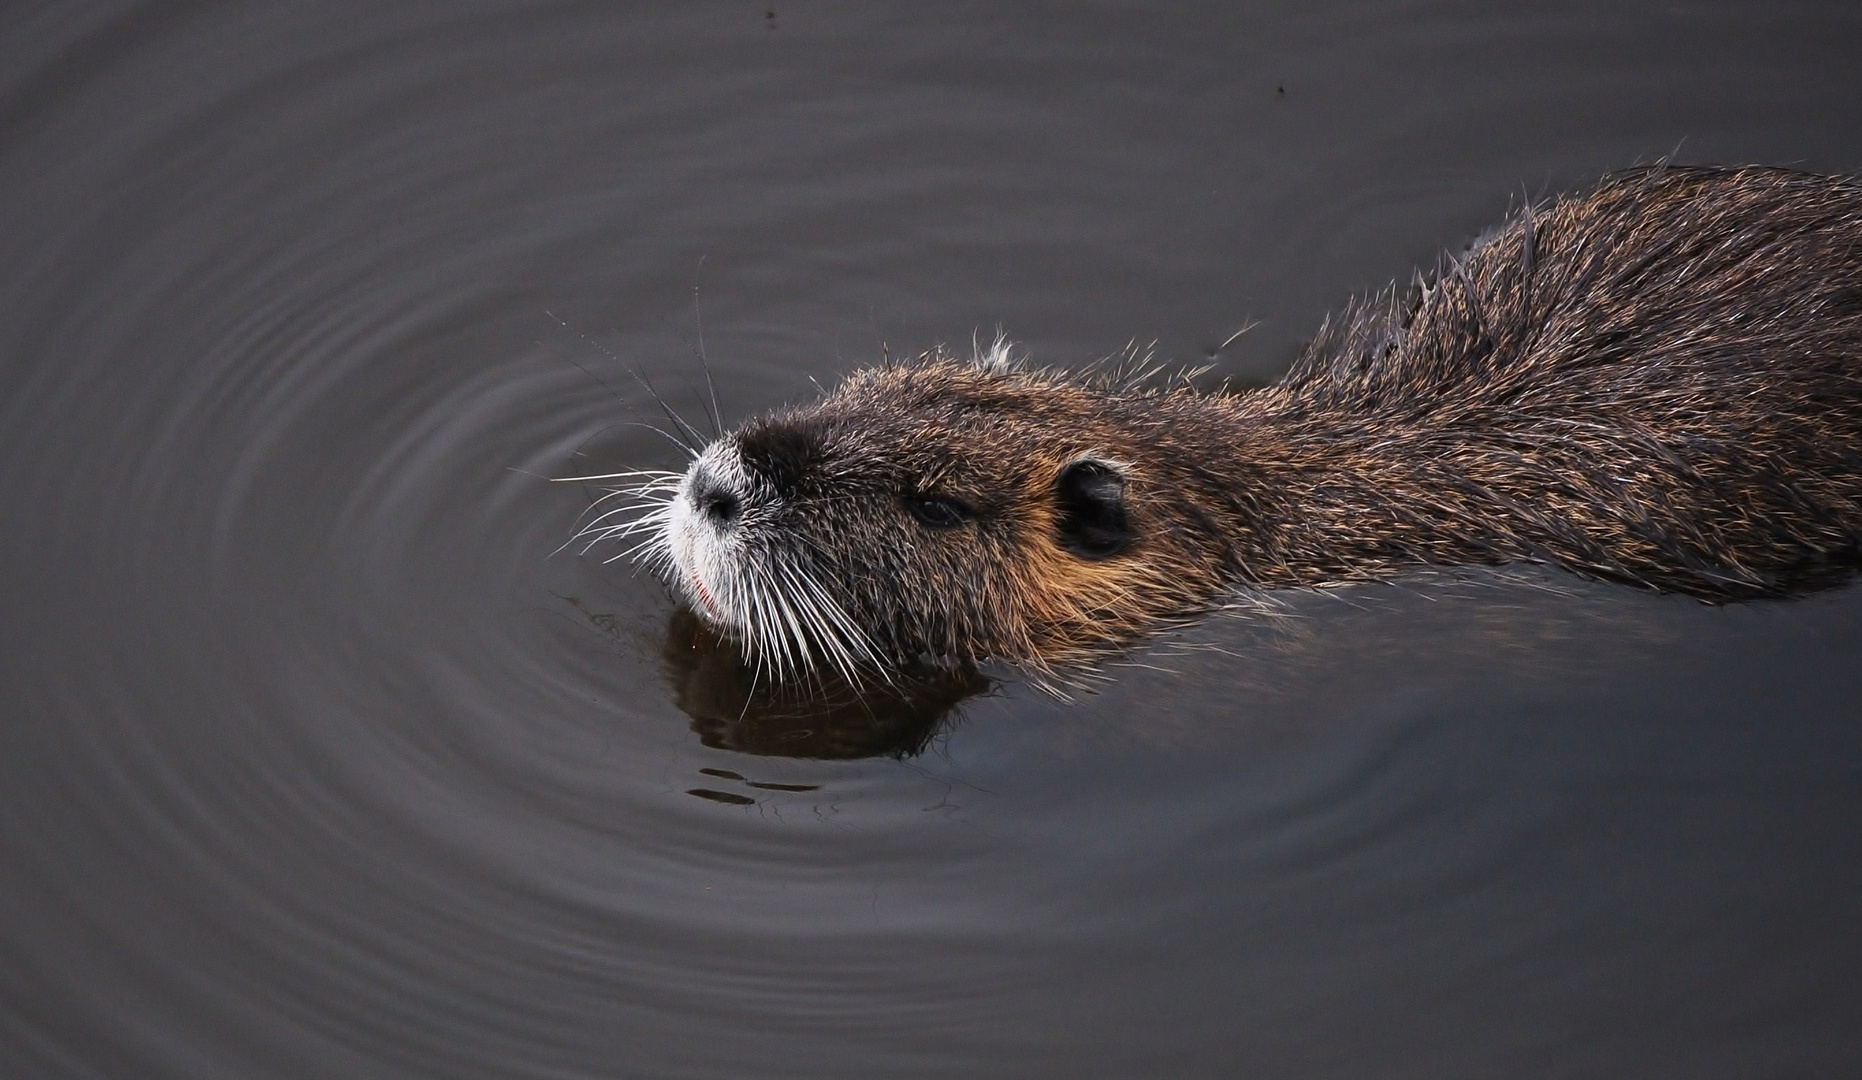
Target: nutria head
{"type": "Point", "coordinates": [942, 508]}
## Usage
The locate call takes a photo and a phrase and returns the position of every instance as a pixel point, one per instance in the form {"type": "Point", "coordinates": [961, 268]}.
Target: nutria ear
{"type": "Point", "coordinates": [1092, 522]}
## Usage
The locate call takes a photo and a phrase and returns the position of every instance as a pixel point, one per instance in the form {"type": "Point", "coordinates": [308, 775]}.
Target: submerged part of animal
{"type": "Point", "coordinates": [1658, 382]}
{"type": "Point", "coordinates": [735, 706]}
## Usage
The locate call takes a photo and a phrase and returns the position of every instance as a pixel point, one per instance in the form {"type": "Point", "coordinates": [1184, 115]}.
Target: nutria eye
{"type": "Point", "coordinates": [935, 512]}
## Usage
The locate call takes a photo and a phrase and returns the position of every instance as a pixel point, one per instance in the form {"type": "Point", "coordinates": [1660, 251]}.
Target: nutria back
{"type": "Point", "coordinates": [1655, 382]}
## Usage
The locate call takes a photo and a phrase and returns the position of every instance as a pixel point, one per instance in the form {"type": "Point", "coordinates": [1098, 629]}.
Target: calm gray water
{"type": "Point", "coordinates": [316, 761]}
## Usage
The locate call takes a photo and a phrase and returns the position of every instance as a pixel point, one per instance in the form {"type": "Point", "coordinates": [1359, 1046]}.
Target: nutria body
{"type": "Point", "coordinates": [1657, 382]}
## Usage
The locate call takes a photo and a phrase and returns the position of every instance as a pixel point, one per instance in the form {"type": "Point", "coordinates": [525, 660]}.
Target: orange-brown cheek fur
{"type": "Point", "coordinates": [1071, 604]}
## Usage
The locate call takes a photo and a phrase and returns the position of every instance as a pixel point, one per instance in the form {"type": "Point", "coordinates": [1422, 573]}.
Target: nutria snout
{"type": "Point", "coordinates": [1657, 382]}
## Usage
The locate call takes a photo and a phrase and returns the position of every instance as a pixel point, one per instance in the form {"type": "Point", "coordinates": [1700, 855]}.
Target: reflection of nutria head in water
{"type": "Point", "coordinates": [1658, 382]}
{"type": "Point", "coordinates": [733, 706]}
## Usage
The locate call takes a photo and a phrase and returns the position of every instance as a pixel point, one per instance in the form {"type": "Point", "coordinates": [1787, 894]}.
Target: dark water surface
{"type": "Point", "coordinates": [316, 762]}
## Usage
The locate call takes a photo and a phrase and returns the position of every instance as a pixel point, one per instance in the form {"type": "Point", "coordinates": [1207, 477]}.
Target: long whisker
{"type": "Point", "coordinates": [711, 386]}
{"type": "Point", "coordinates": [697, 438]}
{"type": "Point", "coordinates": [660, 474]}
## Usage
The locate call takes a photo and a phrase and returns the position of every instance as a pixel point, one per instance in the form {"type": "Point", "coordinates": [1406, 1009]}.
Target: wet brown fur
{"type": "Point", "coordinates": [1654, 382]}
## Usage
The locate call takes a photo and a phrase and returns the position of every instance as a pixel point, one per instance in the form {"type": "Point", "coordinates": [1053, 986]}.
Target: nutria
{"type": "Point", "coordinates": [1656, 382]}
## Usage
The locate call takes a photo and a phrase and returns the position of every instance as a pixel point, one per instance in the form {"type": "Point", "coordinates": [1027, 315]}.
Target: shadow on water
{"type": "Point", "coordinates": [829, 717]}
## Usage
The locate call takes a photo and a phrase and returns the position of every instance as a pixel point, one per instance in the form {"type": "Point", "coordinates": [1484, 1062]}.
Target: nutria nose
{"type": "Point", "coordinates": [714, 501]}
